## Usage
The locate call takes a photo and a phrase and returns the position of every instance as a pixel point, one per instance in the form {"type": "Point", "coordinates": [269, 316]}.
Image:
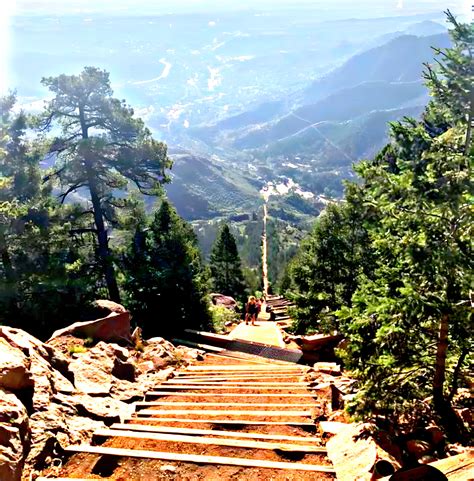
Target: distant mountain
{"type": "Point", "coordinates": [202, 189]}
{"type": "Point", "coordinates": [346, 104]}
{"type": "Point", "coordinates": [399, 60]}
{"type": "Point", "coordinates": [335, 144]}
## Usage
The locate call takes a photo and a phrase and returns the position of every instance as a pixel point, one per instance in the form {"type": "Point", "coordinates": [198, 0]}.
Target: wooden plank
{"type": "Point", "coordinates": [196, 458]}
{"type": "Point", "coordinates": [178, 393]}
{"type": "Point", "coordinates": [41, 478]}
{"type": "Point", "coordinates": [242, 356]}
{"type": "Point", "coordinates": [204, 387]}
{"type": "Point", "coordinates": [220, 412]}
{"type": "Point", "coordinates": [250, 382]}
{"type": "Point", "coordinates": [246, 367]}
{"type": "Point", "coordinates": [236, 443]}
{"type": "Point", "coordinates": [238, 378]}
{"type": "Point", "coordinates": [213, 404]}
{"type": "Point", "coordinates": [220, 375]}
{"type": "Point", "coordinates": [213, 432]}
{"type": "Point", "coordinates": [223, 421]}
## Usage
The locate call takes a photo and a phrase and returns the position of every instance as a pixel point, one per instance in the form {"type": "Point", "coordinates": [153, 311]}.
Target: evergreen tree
{"type": "Point", "coordinates": [42, 268]}
{"type": "Point", "coordinates": [409, 323]}
{"type": "Point", "coordinates": [166, 283]}
{"type": "Point", "coordinates": [226, 272]}
{"type": "Point", "coordinates": [326, 271]}
{"type": "Point", "coordinates": [102, 147]}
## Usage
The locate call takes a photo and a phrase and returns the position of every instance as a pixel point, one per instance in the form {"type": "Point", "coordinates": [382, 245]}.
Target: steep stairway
{"type": "Point", "coordinates": [221, 418]}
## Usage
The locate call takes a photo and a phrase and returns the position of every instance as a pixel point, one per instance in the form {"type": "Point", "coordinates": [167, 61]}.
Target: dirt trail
{"type": "Point", "coordinates": [281, 413]}
{"type": "Point", "coordinates": [264, 332]}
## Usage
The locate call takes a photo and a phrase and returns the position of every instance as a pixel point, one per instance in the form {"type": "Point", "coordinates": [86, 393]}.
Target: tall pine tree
{"type": "Point", "coordinates": [102, 147]}
{"type": "Point", "coordinates": [409, 323]}
{"type": "Point", "coordinates": [166, 281]}
{"type": "Point", "coordinates": [226, 271]}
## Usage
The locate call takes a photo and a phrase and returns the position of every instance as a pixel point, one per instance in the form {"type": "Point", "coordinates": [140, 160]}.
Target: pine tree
{"type": "Point", "coordinates": [409, 323]}
{"type": "Point", "coordinates": [42, 268]}
{"type": "Point", "coordinates": [325, 273]}
{"type": "Point", "coordinates": [101, 149]}
{"type": "Point", "coordinates": [165, 282]}
{"type": "Point", "coordinates": [226, 271]}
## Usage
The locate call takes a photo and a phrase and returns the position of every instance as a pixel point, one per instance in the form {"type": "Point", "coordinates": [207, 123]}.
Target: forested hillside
{"type": "Point", "coordinates": [391, 266]}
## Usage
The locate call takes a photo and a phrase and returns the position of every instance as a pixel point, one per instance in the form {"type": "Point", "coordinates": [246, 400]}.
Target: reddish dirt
{"type": "Point", "coordinates": [88, 466]}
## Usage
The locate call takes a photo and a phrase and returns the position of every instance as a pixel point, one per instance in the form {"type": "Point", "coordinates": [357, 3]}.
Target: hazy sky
{"type": "Point", "coordinates": [336, 9]}
{"type": "Point", "coordinates": [146, 6]}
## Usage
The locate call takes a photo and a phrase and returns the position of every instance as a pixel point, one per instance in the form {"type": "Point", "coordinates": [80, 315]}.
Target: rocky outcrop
{"type": "Point", "coordinates": [113, 327]}
{"type": "Point", "coordinates": [58, 393]}
{"type": "Point", "coordinates": [14, 436]}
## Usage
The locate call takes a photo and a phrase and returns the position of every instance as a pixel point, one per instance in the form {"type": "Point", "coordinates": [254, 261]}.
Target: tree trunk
{"type": "Point", "coordinates": [6, 259]}
{"type": "Point", "coordinates": [457, 370]}
{"type": "Point", "coordinates": [103, 241]}
{"type": "Point", "coordinates": [102, 237]}
{"type": "Point", "coordinates": [440, 366]}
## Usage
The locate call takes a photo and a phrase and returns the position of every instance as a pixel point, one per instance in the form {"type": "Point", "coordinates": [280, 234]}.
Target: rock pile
{"type": "Point", "coordinates": [57, 393]}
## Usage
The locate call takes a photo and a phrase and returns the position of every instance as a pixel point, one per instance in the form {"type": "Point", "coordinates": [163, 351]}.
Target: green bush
{"type": "Point", "coordinates": [220, 315]}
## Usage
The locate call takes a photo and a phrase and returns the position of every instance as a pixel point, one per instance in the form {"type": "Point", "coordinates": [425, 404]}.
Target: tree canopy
{"type": "Point", "coordinates": [165, 279]}
{"type": "Point", "coordinates": [226, 272]}
{"type": "Point", "coordinates": [100, 148]}
{"type": "Point", "coordinates": [407, 317]}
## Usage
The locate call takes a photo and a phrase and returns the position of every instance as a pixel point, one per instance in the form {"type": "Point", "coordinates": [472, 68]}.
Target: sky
{"type": "Point", "coordinates": [10, 8]}
{"type": "Point", "coordinates": [146, 6]}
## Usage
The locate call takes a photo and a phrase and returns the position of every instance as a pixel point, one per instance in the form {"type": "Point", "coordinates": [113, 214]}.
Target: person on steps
{"type": "Point", "coordinates": [251, 311]}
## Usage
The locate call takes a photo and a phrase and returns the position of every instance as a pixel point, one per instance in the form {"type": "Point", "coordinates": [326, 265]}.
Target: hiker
{"type": "Point", "coordinates": [251, 311]}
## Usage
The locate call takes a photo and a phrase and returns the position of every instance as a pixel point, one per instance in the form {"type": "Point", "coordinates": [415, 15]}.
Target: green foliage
{"type": "Point", "coordinates": [325, 273]}
{"type": "Point", "coordinates": [397, 256]}
{"type": "Point", "coordinates": [101, 147]}
{"type": "Point", "coordinates": [44, 271]}
{"type": "Point", "coordinates": [77, 349]}
{"type": "Point", "coordinates": [165, 281]}
{"type": "Point", "coordinates": [225, 265]}
{"type": "Point", "coordinates": [409, 323]}
{"type": "Point", "coordinates": [220, 315]}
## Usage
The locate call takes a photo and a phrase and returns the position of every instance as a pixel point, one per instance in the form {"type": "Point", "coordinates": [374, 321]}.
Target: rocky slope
{"type": "Point", "coordinates": [57, 393]}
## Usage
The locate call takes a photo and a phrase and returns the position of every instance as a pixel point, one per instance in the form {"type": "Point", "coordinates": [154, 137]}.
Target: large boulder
{"type": "Point", "coordinates": [356, 454]}
{"type": "Point", "coordinates": [14, 436]}
{"type": "Point", "coordinates": [14, 367]}
{"type": "Point", "coordinates": [95, 370]}
{"type": "Point", "coordinates": [114, 326]}
{"type": "Point", "coordinates": [221, 300]}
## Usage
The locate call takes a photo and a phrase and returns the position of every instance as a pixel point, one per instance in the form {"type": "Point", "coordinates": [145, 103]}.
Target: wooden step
{"type": "Point", "coordinates": [224, 421]}
{"type": "Point", "coordinates": [244, 383]}
{"type": "Point", "coordinates": [212, 432]}
{"type": "Point", "coordinates": [200, 459]}
{"type": "Point", "coordinates": [204, 387]}
{"type": "Point", "coordinates": [247, 395]}
{"type": "Point", "coordinates": [236, 443]}
{"type": "Point", "coordinates": [247, 367]}
{"type": "Point", "coordinates": [224, 412]}
{"type": "Point", "coordinates": [222, 404]}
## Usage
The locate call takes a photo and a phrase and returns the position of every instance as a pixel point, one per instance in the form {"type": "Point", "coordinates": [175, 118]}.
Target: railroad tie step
{"type": "Point", "coordinates": [197, 458]}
